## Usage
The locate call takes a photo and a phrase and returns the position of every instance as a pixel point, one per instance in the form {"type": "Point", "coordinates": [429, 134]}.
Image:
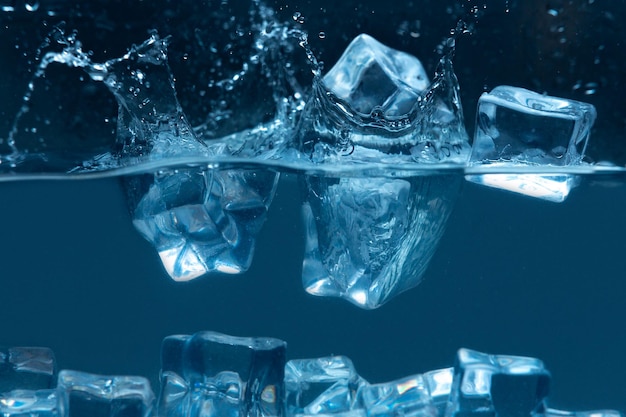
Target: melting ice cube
{"type": "Point", "coordinates": [519, 128]}
{"type": "Point", "coordinates": [409, 396]}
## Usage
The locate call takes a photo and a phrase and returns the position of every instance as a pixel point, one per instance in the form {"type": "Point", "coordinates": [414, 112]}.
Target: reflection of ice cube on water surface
{"type": "Point", "coordinates": [517, 127]}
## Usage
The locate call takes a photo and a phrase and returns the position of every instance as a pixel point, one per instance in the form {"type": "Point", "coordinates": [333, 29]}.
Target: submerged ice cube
{"type": "Point", "coordinates": [89, 395]}
{"type": "Point", "coordinates": [322, 386]}
{"type": "Point", "coordinates": [26, 368]}
{"type": "Point", "coordinates": [211, 374]}
{"type": "Point", "coordinates": [371, 239]}
{"type": "Point", "coordinates": [519, 128]}
{"type": "Point", "coordinates": [370, 75]}
{"type": "Point", "coordinates": [30, 403]}
{"type": "Point", "coordinates": [408, 397]}
{"type": "Point", "coordinates": [202, 221]}
{"type": "Point", "coordinates": [497, 385]}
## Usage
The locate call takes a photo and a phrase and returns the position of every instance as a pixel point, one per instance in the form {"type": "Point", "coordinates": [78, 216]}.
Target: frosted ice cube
{"type": "Point", "coordinates": [370, 75]}
{"type": "Point", "coordinates": [26, 368]}
{"type": "Point", "coordinates": [211, 374]}
{"type": "Point", "coordinates": [322, 386]}
{"type": "Point", "coordinates": [516, 127]}
{"type": "Point", "coordinates": [88, 395]}
{"type": "Point", "coordinates": [29, 403]}
{"type": "Point", "coordinates": [409, 397]}
{"type": "Point", "coordinates": [490, 385]}
{"type": "Point", "coordinates": [371, 239]}
{"type": "Point", "coordinates": [203, 221]}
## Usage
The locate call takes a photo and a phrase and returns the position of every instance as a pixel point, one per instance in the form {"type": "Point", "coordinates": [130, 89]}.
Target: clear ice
{"type": "Point", "coordinates": [517, 127]}
{"type": "Point", "coordinates": [212, 374]}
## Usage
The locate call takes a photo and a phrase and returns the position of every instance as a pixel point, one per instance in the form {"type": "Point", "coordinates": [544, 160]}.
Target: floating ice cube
{"type": "Point", "coordinates": [323, 386]}
{"type": "Point", "coordinates": [491, 385]}
{"type": "Point", "coordinates": [377, 105]}
{"type": "Point", "coordinates": [89, 395]}
{"type": "Point", "coordinates": [371, 239]}
{"type": "Point", "coordinates": [27, 368]}
{"type": "Point", "coordinates": [371, 75]}
{"type": "Point", "coordinates": [29, 403]}
{"type": "Point", "coordinates": [211, 374]}
{"type": "Point", "coordinates": [517, 128]}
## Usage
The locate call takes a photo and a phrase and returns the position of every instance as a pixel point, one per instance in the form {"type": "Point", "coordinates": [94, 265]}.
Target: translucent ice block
{"type": "Point", "coordinates": [439, 383]}
{"type": "Point", "coordinates": [491, 385]}
{"type": "Point", "coordinates": [409, 397]}
{"type": "Point", "coordinates": [370, 74]}
{"type": "Point", "coordinates": [376, 105]}
{"type": "Point", "coordinates": [323, 386]}
{"type": "Point", "coordinates": [26, 368]}
{"type": "Point", "coordinates": [370, 239]}
{"type": "Point", "coordinates": [202, 221]}
{"type": "Point", "coordinates": [29, 403]}
{"type": "Point", "coordinates": [211, 374]}
{"type": "Point", "coordinates": [89, 395]}
{"type": "Point", "coordinates": [519, 128]}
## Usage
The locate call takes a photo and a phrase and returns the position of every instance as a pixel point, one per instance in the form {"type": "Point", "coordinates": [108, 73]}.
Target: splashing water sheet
{"type": "Point", "coordinates": [273, 151]}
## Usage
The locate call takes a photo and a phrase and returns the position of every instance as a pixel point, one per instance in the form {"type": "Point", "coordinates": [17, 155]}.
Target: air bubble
{"type": "Point", "coordinates": [32, 6]}
{"type": "Point", "coordinates": [322, 35]}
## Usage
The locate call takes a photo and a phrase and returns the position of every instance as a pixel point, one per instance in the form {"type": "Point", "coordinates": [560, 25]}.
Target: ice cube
{"type": "Point", "coordinates": [496, 385]}
{"type": "Point", "coordinates": [26, 368]}
{"type": "Point", "coordinates": [202, 221]}
{"type": "Point", "coordinates": [211, 374]}
{"type": "Point", "coordinates": [520, 128]}
{"type": "Point", "coordinates": [371, 239]}
{"type": "Point", "coordinates": [551, 412]}
{"type": "Point", "coordinates": [88, 395]}
{"type": "Point", "coordinates": [29, 403]}
{"type": "Point", "coordinates": [377, 105]}
{"type": "Point", "coordinates": [409, 397]}
{"type": "Point", "coordinates": [439, 383]}
{"type": "Point", "coordinates": [322, 386]}
{"type": "Point", "coordinates": [371, 75]}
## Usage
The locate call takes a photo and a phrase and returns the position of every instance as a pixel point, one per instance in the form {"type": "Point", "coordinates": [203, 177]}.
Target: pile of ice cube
{"type": "Point", "coordinates": [210, 374]}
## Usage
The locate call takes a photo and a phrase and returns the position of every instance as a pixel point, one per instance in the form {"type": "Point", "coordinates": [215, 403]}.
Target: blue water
{"type": "Point", "coordinates": [512, 275]}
